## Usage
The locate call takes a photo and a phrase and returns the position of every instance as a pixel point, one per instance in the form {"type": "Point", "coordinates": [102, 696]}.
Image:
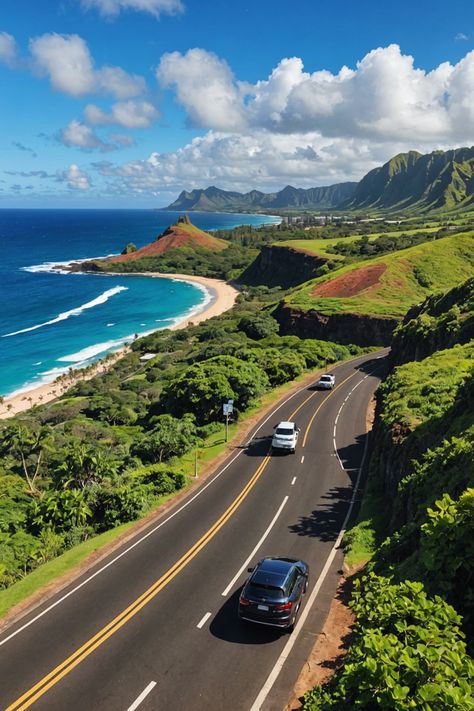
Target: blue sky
{"type": "Point", "coordinates": [124, 103]}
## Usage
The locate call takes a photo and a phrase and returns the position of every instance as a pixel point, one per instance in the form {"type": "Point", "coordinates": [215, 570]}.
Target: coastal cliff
{"type": "Point", "coordinates": [282, 266]}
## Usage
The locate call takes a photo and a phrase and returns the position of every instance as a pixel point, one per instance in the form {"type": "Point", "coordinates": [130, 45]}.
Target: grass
{"type": "Point", "coordinates": [320, 247]}
{"type": "Point", "coordinates": [362, 540]}
{"type": "Point", "coordinates": [410, 276]}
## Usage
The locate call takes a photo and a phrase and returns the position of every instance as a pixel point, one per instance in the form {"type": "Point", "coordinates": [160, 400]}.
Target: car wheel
{"type": "Point", "coordinates": [291, 627]}
{"type": "Point", "coordinates": [305, 585]}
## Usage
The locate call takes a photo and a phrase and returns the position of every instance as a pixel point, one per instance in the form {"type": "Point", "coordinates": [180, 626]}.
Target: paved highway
{"type": "Point", "coordinates": [154, 625]}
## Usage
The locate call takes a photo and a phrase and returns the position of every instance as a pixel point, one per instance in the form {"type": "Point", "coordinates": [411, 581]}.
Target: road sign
{"type": "Point", "coordinates": [227, 409]}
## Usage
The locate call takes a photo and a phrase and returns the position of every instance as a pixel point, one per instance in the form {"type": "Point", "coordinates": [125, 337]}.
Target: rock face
{"type": "Point", "coordinates": [282, 266]}
{"type": "Point", "coordinates": [342, 328]}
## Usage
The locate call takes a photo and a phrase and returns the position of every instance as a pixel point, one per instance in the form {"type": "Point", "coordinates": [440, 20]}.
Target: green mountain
{"type": "Point", "coordinates": [442, 180]}
{"type": "Point", "coordinates": [435, 181]}
{"type": "Point", "coordinates": [214, 199]}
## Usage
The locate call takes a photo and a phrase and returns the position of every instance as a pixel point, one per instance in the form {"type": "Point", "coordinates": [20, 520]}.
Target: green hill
{"type": "Point", "coordinates": [388, 285]}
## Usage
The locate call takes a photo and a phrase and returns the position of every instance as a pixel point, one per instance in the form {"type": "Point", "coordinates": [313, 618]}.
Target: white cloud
{"type": "Point", "coordinates": [111, 8]}
{"type": "Point", "coordinates": [129, 114]}
{"type": "Point", "coordinates": [122, 140]}
{"type": "Point", "coordinates": [461, 37]}
{"type": "Point", "coordinates": [66, 60]}
{"type": "Point", "coordinates": [7, 49]}
{"type": "Point", "coordinates": [79, 135]}
{"type": "Point", "coordinates": [205, 86]}
{"type": "Point", "coordinates": [75, 178]}
{"type": "Point", "coordinates": [385, 97]}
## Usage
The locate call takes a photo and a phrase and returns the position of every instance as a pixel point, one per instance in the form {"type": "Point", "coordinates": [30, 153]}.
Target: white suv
{"type": "Point", "coordinates": [326, 382]}
{"type": "Point", "coordinates": [285, 436]}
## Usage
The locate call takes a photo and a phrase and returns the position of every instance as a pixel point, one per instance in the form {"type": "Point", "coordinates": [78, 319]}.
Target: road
{"type": "Point", "coordinates": [154, 626]}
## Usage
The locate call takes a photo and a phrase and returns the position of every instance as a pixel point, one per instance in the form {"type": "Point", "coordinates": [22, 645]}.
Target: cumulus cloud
{"type": "Point", "coordinates": [81, 136]}
{"type": "Point", "coordinates": [385, 97]}
{"type": "Point", "coordinates": [122, 140]}
{"type": "Point", "coordinates": [239, 162]}
{"type": "Point", "coordinates": [75, 178]}
{"type": "Point", "coordinates": [8, 52]}
{"type": "Point", "coordinates": [205, 86]}
{"type": "Point", "coordinates": [111, 8]}
{"type": "Point", "coordinates": [129, 114]}
{"type": "Point", "coordinates": [68, 63]}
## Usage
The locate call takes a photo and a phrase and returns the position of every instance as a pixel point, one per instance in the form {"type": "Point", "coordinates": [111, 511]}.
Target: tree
{"type": "Point", "coordinates": [171, 437]}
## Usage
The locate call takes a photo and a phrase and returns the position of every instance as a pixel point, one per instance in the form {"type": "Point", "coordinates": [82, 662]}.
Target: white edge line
{"type": "Point", "coordinates": [272, 677]}
{"type": "Point", "coordinates": [293, 482]}
{"type": "Point", "coordinates": [142, 696]}
{"type": "Point", "coordinates": [201, 624]}
{"type": "Point", "coordinates": [153, 530]}
{"type": "Point", "coordinates": [245, 564]}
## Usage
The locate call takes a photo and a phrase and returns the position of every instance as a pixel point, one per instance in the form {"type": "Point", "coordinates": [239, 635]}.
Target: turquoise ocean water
{"type": "Point", "coordinates": [51, 321]}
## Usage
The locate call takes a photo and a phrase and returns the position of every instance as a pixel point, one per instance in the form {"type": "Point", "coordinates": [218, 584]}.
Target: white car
{"type": "Point", "coordinates": [285, 436]}
{"type": "Point", "coordinates": [326, 382]}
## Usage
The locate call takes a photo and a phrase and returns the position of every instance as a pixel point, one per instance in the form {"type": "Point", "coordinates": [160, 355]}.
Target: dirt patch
{"type": "Point", "coordinates": [330, 648]}
{"type": "Point", "coordinates": [352, 283]}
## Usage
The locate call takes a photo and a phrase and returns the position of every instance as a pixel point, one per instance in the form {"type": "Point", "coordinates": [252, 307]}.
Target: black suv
{"type": "Point", "coordinates": [272, 594]}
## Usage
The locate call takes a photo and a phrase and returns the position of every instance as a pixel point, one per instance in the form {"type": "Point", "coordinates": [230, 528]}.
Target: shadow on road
{"type": "Point", "coordinates": [227, 626]}
{"type": "Point", "coordinates": [324, 523]}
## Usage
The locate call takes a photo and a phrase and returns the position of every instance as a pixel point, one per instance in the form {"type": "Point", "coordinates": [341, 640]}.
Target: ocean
{"type": "Point", "coordinates": [51, 321]}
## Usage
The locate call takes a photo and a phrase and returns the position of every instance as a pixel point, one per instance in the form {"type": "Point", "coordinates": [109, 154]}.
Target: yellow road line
{"type": "Point", "coordinates": [36, 691]}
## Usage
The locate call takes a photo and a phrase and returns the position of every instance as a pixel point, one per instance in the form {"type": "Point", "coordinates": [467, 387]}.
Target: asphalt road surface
{"type": "Point", "coordinates": [154, 625]}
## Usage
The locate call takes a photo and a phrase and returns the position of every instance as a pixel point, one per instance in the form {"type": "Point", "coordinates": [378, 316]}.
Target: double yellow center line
{"type": "Point", "coordinates": [80, 654]}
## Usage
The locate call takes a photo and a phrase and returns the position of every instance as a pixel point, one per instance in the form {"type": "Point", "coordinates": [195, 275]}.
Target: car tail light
{"type": "Point", "coordinates": [244, 601]}
{"type": "Point", "coordinates": [284, 606]}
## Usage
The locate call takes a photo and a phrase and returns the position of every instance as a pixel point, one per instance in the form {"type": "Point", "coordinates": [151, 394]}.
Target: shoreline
{"type": "Point", "coordinates": [222, 298]}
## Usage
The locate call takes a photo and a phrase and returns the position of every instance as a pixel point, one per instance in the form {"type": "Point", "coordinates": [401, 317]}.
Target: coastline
{"type": "Point", "coordinates": [222, 297]}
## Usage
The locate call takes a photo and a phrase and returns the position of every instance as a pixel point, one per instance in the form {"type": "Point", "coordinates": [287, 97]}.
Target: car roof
{"type": "Point", "coordinates": [327, 375]}
{"type": "Point", "coordinates": [286, 424]}
{"type": "Point", "coordinates": [273, 571]}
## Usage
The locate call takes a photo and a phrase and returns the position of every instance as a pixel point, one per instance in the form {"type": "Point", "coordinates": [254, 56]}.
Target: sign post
{"type": "Point", "coordinates": [227, 409]}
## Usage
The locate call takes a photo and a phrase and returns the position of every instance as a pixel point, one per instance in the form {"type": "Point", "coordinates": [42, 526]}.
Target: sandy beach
{"type": "Point", "coordinates": [222, 298]}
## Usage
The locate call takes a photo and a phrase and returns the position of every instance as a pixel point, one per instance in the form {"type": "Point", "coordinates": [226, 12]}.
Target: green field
{"type": "Point", "coordinates": [410, 275]}
{"type": "Point", "coordinates": [320, 247]}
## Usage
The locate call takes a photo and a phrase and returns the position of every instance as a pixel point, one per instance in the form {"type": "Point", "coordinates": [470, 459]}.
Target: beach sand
{"type": "Point", "coordinates": [223, 297]}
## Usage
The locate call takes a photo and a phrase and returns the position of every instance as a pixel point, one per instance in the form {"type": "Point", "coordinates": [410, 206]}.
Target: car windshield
{"type": "Point", "coordinates": [284, 431]}
{"type": "Point", "coordinates": [325, 377]}
{"type": "Point", "coordinates": [268, 591]}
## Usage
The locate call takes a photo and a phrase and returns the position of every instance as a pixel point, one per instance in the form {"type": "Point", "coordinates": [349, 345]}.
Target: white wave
{"type": "Point", "coordinates": [111, 324]}
{"type": "Point", "coordinates": [73, 312]}
{"type": "Point", "coordinates": [55, 267]}
{"type": "Point", "coordinates": [90, 351]}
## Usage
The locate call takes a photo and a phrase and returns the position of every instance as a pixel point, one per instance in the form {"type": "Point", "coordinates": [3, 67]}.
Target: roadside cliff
{"type": "Point", "coordinates": [345, 328]}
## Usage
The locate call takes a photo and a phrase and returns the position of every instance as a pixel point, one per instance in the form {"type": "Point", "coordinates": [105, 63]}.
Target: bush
{"type": "Point", "coordinates": [407, 653]}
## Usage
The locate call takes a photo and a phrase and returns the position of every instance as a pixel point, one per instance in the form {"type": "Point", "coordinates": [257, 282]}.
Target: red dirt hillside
{"type": "Point", "coordinates": [352, 283]}
{"type": "Point", "coordinates": [182, 234]}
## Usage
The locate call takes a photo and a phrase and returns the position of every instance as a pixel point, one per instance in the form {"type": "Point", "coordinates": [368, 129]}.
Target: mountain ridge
{"type": "Point", "coordinates": [440, 180]}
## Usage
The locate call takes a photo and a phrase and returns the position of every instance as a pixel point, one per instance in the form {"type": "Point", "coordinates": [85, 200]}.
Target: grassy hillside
{"type": "Point", "coordinates": [321, 247]}
{"type": "Point", "coordinates": [389, 285]}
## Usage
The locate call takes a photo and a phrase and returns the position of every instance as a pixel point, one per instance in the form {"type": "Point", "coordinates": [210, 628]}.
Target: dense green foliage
{"type": "Point", "coordinates": [227, 264]}
{"type": "Point", "coordinates": [417, 604]}
{"type": "Point", "coordinates": [439, 322]}
{"type": "Point", "coordinates": [407, 652]}
{"type": "Point", "coordinates": [105, 452]}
